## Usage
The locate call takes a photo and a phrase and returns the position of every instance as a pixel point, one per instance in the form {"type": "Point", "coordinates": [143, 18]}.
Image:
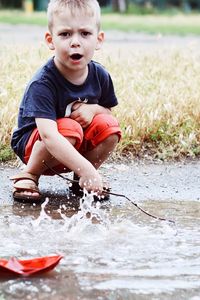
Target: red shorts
{"type": "Point", "coordinates": [101, 127]}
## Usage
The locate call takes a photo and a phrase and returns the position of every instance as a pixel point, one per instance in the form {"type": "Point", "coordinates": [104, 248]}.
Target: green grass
{"type": "Point", "coordinates": [178, 24]}
{"type": "Point", "coordinates": [20, 17]}
{"type": "Point", "coordinates": [164, 24]}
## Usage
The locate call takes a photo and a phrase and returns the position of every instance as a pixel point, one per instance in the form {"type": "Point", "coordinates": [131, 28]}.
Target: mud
{"type": "Point", "coordinates": [115, 251]}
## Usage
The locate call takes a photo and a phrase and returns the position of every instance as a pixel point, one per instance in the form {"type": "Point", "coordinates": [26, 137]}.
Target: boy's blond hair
{"type": "Point", "coordinates": [87, 7]}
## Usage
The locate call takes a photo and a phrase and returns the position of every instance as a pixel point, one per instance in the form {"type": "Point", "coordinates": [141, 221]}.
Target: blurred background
{"type": "Point", "coordinates": [123, 6]}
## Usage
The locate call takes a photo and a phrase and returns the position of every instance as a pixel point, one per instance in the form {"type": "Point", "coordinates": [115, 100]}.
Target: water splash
{"type": "Point", "coordinates": [112, 248]}
{"type": "Point", "coordinates": [43, 216]}
{"type": "Point", "coordinates": [88, 213]}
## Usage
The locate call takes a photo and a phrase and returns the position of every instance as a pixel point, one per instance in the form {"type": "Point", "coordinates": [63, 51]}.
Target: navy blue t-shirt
{"type": "Point", "coordinates": [48, 94]}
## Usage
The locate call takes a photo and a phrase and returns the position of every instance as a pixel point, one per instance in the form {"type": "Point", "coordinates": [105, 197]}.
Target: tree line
{"type": "Point", "coordinates": [121, 6]}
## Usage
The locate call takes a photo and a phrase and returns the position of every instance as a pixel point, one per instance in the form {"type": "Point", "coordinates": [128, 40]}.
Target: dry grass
{"type": "Point", "coordinates": [158, 91]}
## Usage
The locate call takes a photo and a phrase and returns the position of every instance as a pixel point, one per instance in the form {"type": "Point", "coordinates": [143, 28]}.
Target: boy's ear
{"type": "Point", "coordinates": [100, 39]}
{"type": "Point", "coordinates": [49, 40]}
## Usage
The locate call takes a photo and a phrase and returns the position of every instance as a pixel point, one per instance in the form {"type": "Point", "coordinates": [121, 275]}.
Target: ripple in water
{"type": "Point", "coordinates": [113, 251]}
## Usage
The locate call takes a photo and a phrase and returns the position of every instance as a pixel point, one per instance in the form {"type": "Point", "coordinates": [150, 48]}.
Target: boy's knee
{"type": "Point", "coordinates": [103, 121]}
{"type": "Point", "coordinates": [112, 139]}
{"type": "Point", "coordinates": [70, 129]}
{"type": "Point", "coordinates": [103, 127]}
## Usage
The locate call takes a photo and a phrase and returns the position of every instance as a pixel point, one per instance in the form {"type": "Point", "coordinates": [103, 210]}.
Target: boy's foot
{"type": "Point", "coordinates": [77, 191]}
{"type": "Point", "coordinates": [26, 187]}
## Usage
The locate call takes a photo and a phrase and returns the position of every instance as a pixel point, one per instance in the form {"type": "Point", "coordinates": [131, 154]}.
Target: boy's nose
{"type": "Point", "coordinates": [75, 42]}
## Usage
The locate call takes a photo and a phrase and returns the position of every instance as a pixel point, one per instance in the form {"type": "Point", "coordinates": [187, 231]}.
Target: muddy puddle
{"type": "Point", "coordinates": [111, 250]}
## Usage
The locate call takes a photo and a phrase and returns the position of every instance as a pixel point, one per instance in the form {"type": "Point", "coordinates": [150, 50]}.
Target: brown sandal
{"type": "Point", "coordinates": [20, 186]}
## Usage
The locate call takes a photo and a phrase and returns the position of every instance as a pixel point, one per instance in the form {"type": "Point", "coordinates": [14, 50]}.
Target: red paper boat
{"type": "Point", "coordinates": [29, 267]}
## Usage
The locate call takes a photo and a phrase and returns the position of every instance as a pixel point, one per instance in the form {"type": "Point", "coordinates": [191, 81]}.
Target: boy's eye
{"type": "Point", "coordinates": [85, 33]}
{"type": "Point", "coordinates": [65, 34]}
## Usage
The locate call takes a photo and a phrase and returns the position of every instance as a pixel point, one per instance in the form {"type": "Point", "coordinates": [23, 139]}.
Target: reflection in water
{"type": "Point", "coordinates": [110, 251]}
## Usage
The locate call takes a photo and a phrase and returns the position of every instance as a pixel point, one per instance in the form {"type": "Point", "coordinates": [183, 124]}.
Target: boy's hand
{"type": "Point", "coordinates": [91, 182]}
{"type": "Point", "coordinates": [83, 113]}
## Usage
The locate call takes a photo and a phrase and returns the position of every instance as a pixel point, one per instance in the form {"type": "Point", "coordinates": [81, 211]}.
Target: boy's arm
{"type": "Point", "coordinates": [83, 113]}
{"type": "Point", "coordinates": [63, 151]}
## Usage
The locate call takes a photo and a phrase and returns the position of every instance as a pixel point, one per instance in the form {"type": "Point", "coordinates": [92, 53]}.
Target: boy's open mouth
{"type": "Point", "coordinates": [76, 56]}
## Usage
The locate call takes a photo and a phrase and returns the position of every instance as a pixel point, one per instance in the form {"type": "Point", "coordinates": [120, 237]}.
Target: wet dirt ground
{"type": "Point", "coordinates": [140, 181]}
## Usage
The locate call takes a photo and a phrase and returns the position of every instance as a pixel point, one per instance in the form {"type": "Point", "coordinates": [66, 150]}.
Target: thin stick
{"type": "Point", "coordinates": [105, 191]}
{"type": "Point", "coordinates": [56, 173]}
{"type": "Point", "coordinates": [141, 209]}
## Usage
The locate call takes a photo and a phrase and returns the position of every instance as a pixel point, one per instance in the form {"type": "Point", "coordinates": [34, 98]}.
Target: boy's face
{"type": "Point", "coordinates": [74, 39]}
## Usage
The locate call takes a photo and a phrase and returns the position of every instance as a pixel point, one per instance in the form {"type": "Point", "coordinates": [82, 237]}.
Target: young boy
{"type": "Point", "coordinates": [65, 114]}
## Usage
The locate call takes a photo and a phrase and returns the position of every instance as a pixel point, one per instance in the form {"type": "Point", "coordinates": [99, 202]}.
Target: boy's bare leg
{"type": "Point", "coordinates": [102, 151]}
{"type": "Point", "coordinates": [35, 164]}
{"type": "Point", "coordinates": [97, 156]}
{"type": "Point", "coordinates": [39, 154]}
